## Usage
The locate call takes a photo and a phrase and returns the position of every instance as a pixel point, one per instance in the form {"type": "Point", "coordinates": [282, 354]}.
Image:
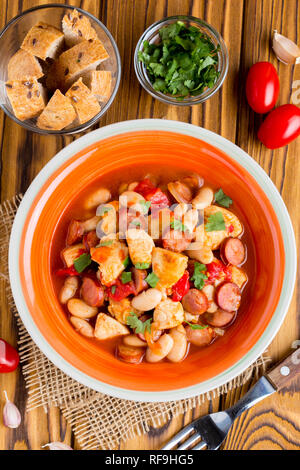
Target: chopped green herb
{"type": "Point", "coordinates": [103, 210]}
{"type": "Point", "coordinates": [82, 262]}
{"type": "Point", "coordinates": [222, 199]}
{"type": "Point", "coordinates": [215, 222]}
{"type": "Point", "coordinates": [137, 223]}
{"type": "Point", "coordinates": [184, 62]}
{"type": "Point", "coordinates": [142, 265]}
{"type": "Point", "coordinates": [199, 275]}
{"type": "Point", "coordinates": [145, 205]}
{"type": "Point", "coordinates": [113, 289]}
{"type": "Point", "coordinates": [152, 279]}
{"type": "Point", "coordinates": [140, 327]}
{"type": "Point", "coordinates": [177, 225]}
{"type": "Point", "coordinates": [125, 277]}
{"type": "Point", "coordinates": [105, 243]}
{"type": "Point", "coordinates": [126, 261]}
{"type": "Point", "coordinates": [195, 326]}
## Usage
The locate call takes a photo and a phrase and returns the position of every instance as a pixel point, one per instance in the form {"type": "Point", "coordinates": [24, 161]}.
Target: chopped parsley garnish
{"type": "Point", "coordinates": [215, 222]}
{"type": "Point", "coordinates": [126, 261]}
{"type": "Point", "coordinates": [105, 243]}
{"type": "Point", "coordinates": [183, 63]}
{"type": "Point", "coordinates": [137, 223]}
{"type": "Point", "coordinates": [152, 279]}
{"type": "Point", "coordinates": [145, 205]}
{"type": "Point", "coordinates": [113, 289]}
{"type": "Point", "coordinates": [222, 199]}
{"type": "Point", "coordinates": [195, 326]}
{"type": "Point", "coordinates": [142, 265]}
{"type": "Point", "coordinates": [103, 210]}
{"type": "Point", "coordinates": [199, 275]}
{"type": "Point", "coordinates": [177, 225]}
{"type": "Point", "coordinates": [82, 262]}
{"type": "Point", "coordinates": [140, 327]}
{"type": "Point", "coordinates": [125, 277]}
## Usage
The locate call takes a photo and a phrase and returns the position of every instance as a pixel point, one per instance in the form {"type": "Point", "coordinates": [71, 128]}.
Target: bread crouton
{"type": "Point", "coordinates": [110, 256]}
{"type": "Point", "coordinates": [107, 327]}
{"type": "Point", "coordinates": [77, 27]}
{"type": "Point", "coordinates": [27, 98]}
{"type": "Point", "coordinates": [168, 266]}
{"type": "Point", "coordinates": [23, 65]}
{"type": "Point", "coordinates": [58, 114]}
{"type": "Point", "coordinates": [122, 309]}
{"type": "Point", "coordinates": [168, 314]}
{"type": "Point", "coordinates": [43, 40]}
{"type": "Point", "coordinates": [83, 100]}
{"type": "Point", "coordinates": [99, 82]}
{"type": "Point", "coordinates": [70, 253]}
{"type": "Point", "coordinates": [214, 239]}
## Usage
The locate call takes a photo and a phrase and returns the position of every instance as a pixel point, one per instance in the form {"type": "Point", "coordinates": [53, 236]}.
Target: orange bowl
{"type": "Point", "coordinates": [147, 143]}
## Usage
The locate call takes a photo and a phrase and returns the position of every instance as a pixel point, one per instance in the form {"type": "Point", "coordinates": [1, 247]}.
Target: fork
{"type": "Point", "coordinates": [212, 429]}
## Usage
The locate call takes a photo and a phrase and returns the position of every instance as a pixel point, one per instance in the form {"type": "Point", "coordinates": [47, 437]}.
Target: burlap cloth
{"type": "Point", "coordinates": [99, 421]}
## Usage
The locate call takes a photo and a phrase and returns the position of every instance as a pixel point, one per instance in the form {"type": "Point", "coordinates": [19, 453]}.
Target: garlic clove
{"type": "Point", "coordinates": [285, 50]}
{"type": "Point", "coordinates": [11, 414]}
{"type": "Point", "coordinates": [57, 446]}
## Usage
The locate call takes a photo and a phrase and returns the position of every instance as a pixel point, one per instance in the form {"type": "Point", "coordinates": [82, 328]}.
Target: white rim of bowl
{"type": "Point", "coordinates": [236, 154]}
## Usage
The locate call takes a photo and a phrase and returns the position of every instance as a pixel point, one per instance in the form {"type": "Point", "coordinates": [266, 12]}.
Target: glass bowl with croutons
{"type": "Point", "coordinates": [60, 69]}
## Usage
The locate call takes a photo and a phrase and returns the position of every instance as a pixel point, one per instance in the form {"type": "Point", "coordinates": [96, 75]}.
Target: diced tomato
{"type": "Point", "coordinates": [151, 193]}
{"type": "Point", "coordinates": [145, 187]}
{"type": "Point", "coordinates": [63, 272]}
{"type": "Point", "coordinates": [230, 228]}
{"type": "Point", "coordinates": [158, 199]}
{"type": "Point", "coordinates": [119, 291]}
{"type": "Point", "coordinates": [217, 270]}
{"type": "Point", "coordinates": [181, 287]}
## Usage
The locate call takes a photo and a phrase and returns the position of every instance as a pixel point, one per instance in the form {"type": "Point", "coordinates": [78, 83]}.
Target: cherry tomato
{"type": "Point", "coordinates": [181, 287]}
{"type": "Point", "coordinates": [262, 87]}
{"type": "Point", "coordinates": [280, 127]}
{"type": "Point", "coordinates": [9, 358]}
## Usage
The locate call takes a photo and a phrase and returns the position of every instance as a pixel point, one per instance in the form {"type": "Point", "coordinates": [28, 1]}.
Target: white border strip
{"type": "Point", "coordinates": [234, 152]}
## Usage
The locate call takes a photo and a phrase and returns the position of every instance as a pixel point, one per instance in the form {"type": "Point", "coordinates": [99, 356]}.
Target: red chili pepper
{"type": "Point", "coordinates": [9, 358]}
{"type": "Point", "coordinates": [217, 270]}
{"type": "Point", "coordinates": [121, 290]}
{"type": "Point", "coordinates": [181, 287]}
{"type": "Point", "coordinates": [63, 272]}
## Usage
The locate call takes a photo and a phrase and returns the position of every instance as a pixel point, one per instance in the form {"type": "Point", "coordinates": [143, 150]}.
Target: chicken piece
{"type": "Point", "coordinates": [168, 314]}
{"type": "Point", "coordinates": [168, 266]}
{"type": "Point", "coordinates": [107, 327]}
{"type": "Point", "coordinates": [233, 227]}
{"type": "Point", "coordinates": [122, 309]}
{"type": "Point", "coordinates": [239, 277]}
{"type": "Point", "coordinates": [23, 65]}
{"type": "Point", "coordinates": [27, 98]}
{"type": "Point", "coordinates": [70, 253]}
{"type": "Point", "coordinates": [58, 114]}
{"type": "Point", "coordinates": [43, 40]}
{"type": "Point", "coordinates": [110, 256]}
{"type": "Point", "coordinates": [140, 246]}
{"type": "Point", "coordinates": [77, 27]}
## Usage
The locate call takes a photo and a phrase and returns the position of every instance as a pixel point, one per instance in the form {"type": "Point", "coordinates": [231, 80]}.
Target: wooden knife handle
{"type": "Point", "coordinates": [285, 371]}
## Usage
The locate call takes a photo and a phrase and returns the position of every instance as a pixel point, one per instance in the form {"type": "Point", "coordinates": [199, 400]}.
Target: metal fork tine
{"type": "Point", "coordinates": [189, 442]}
{"type": "Point", "coordinates": [178, 437]}
{"type": "Point", "coordinates": [200, 445]}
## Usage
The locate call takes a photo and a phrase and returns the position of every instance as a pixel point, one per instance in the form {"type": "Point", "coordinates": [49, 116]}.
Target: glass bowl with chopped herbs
{"type": "Point", "coordinates": [181, 60]}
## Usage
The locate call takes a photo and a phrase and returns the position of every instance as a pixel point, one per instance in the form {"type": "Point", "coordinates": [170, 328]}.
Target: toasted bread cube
{"type": "Point", "coordinates": [43, 40]}
{"type": "Point", "coordinates": [77, 27]}
{"type": "Point", "coordinates": [59, 113]}
{"type": "Point", "coordinates": [107, 327]}
{"type": "Point", "coordinates": [121, 309]}
{"type": "Point", "coordinates": [99, 82]}
{"type": "Point", "coordinates": [70, 253]}
{"type": "Point", "coordinates": [27, 98]}
{"type": "Point", "coordinates": [23, 66]}
{"type": "Point", "coordinates": [110, 258]}
{"type": "Point", "coordinates": [214, 239]}
{"type": "Point", "coordinates": [168, 266]}
{"type": "Point", "coordinates": [239, 277]}
{"type": "Point", "coordinates": [168, 314]}
{"type": "Point", "coordinates": [84, 102]}
{"type": "Point", "coordinates": [140, 246]}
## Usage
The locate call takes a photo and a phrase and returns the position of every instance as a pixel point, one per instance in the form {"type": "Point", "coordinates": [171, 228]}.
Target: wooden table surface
{"type": "Point", "coordinates": [246, 26]}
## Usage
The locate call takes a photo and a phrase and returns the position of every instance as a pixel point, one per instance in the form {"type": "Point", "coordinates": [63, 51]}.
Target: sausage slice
{"type": "Point", "coordinates": [139, 276]}
{"type": "Point", "coordinates": [130, 354]}
{"type": "Point", "coordinates": [92, 292]}
{"type": "Point", "coordinates": [175, 240]}
{"type": "Point", "coordinates": [90, 240]}
{"type": "Point", "coordinates": [75, 232]}
{"type": "Point", "coordinates": [195, 302]}
{"type": "Point", "coordinates": [228, 296]}
{"type": "Point", "coordinates": [219, 318]}
{"type": "Point", "coordinates": [200, 337]}
{"type": "Point", "coordinates": [233, 251]}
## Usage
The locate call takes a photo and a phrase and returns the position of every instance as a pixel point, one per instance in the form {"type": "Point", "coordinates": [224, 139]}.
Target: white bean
{"type": "Point", "coordinates": [209, 291]}
{"type": "Point", "coordinates": [69, 289]}
{"type": "Point", "coordinates": [82, 326]}
{"type": "Point", "coordinates": [80, 309]}
{"type": "Point", "coordinates": [91, 224]}
{"type": "Point", "coordinates": [180, 209]}
{"type": "Point", "coordinates": [130, 198]}
{"type": "Point", "coordinates": [178, 350]}
{"type": "Point", "coordinates": [147, 300]}
{"type": "Point", "coordinates": [166, 343]}
{"type": "Point", "coordinates": [204, 198]}
{"type": "Point", "coordinates": [190, 219]}
{"type": "Point", "coordinates": [191, 318]}
{"type": "Point", "coordinates": [101, 196]}
{"type": "Point", "coordinates": [132, 186]}
{"type": "Point", "coordinates": [134, 340]}
{"type": "Point", "coordinates": [204, 255]}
